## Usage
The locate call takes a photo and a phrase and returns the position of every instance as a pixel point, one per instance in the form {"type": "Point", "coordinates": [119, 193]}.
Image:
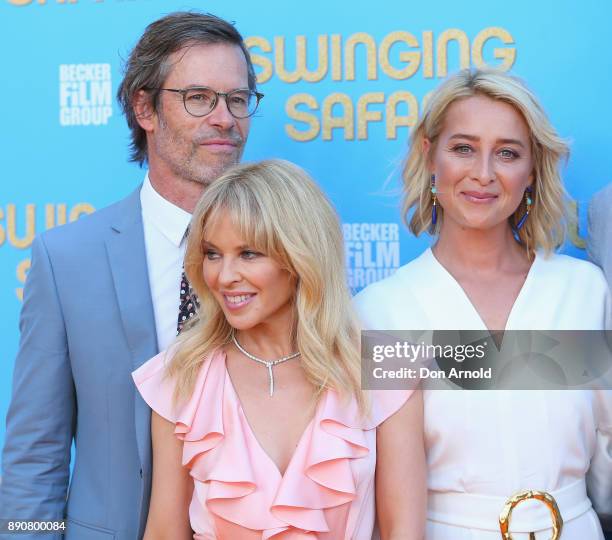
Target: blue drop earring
{"type": "Point", "coordinates": [434, 200]}
{"type": "Point", "coordinates": [519, 225]}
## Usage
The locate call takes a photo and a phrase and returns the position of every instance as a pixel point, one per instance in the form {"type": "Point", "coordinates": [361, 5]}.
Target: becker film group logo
{"type": "Point", "coordinates": [85, 94]}
{"type": "Point", "coordinates": [372, 252]}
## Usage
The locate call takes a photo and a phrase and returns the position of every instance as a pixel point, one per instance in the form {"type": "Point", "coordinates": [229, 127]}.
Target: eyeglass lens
{"type": "Point", "coordinates": [200, 101]}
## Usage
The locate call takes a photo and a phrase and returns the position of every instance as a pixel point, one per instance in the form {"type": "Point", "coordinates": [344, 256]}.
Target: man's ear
{"type": "Point", "coordinates": [143, 109]}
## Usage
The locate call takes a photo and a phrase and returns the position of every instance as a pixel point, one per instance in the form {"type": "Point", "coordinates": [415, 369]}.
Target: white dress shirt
{"type": "Point", "coordinates": [164, 233]}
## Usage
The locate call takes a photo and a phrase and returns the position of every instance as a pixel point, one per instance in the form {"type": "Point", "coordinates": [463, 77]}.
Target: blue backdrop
{"type": "Point", "coordinates": [343, 80]}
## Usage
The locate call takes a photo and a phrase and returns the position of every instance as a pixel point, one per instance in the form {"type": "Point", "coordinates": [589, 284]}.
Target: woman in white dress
{"type": "Point", "coordinates": [482, 176]}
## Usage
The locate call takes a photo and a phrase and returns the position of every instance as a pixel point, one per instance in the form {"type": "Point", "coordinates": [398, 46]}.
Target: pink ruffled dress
{"type": "Point", "coordinates": [327, 491]}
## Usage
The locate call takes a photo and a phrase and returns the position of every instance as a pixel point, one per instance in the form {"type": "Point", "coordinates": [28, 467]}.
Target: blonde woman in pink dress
{"type": "Point", "coordinates": [260, 429]}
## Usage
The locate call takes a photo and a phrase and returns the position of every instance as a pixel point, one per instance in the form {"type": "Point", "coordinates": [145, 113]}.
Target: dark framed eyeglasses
{"type": "Point", "coordinates": [201, 100]}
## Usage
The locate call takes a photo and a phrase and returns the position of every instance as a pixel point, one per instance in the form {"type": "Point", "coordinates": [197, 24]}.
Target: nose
{"type": "Point", "coordinates": [483, 169]}
{"type": "Point", "coordinates": [229, 272]}
{"type": "Point", "coordinates": [220, 116]}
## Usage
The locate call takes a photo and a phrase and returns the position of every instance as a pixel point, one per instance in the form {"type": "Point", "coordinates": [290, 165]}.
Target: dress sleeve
{"type": "Point", "coordinates": [599, 477]}
{"type": "Point", "coordinates": [155, 387]}
{"type": "Point", "coordinates": [384, 404]}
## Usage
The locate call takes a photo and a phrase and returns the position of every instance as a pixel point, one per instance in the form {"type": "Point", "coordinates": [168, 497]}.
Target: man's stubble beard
{"type": "Point", "coordinates": [188, 167]}
{"type": "Point", "coordinates": [206, 173]}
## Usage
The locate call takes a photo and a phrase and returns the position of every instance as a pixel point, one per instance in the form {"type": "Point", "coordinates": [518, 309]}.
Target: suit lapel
{"type": "Point", "coordinates": [128, 262]}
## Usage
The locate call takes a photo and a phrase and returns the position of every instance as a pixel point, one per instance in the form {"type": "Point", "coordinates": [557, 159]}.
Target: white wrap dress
{"type": "Point", "coordinates": [484, 446]}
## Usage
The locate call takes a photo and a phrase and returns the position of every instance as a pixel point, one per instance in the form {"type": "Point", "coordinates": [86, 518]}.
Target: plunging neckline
{"type": "Point", "coordinates": [251, 431]}
{"type": "Point", "coordinates": [517, 301]}
{"type": "Point", "coordinates": [325, 489]}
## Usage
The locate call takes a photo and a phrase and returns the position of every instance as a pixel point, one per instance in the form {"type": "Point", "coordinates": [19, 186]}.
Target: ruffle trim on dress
{"type": "Point", "coordinates": [219, 450]}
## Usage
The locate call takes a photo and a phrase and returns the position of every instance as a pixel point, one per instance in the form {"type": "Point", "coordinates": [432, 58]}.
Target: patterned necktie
{"type": "Point", "coordinates": [188, 304]}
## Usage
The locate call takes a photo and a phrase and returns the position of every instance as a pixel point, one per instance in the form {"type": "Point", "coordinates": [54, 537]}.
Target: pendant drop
{"type": "Point", "coordinates": [269, 366]}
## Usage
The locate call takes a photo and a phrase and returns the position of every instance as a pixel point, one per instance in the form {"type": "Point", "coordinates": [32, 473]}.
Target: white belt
{"type": "Point", "coordinates": [482, 511]}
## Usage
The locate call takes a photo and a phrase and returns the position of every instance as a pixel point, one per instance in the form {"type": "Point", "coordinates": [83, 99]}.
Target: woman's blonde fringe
{"type": "Point", "coordinates": [278, 209]}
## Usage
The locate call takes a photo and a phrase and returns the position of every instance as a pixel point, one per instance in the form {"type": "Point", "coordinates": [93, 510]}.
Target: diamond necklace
{"type": "Point", "coordinates": [269, 364]}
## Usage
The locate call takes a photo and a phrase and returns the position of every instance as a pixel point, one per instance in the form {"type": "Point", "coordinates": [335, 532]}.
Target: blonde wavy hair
{"type": "Point", "coordinates": [280, 211]}
{"type": "Point", "coordinates": [548, 216]}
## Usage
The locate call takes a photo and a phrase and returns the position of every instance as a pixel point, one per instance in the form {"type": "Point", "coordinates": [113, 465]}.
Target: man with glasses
{"type": "Point", "coordinates": [106, 293]}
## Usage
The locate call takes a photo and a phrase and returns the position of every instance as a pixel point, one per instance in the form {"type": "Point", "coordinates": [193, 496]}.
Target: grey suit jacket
{"type": "Point", "coordinates": [599, 248]}
{"type": "Point", "coordinates": [87, 322]}
{"type": "Point", "coordinates": [599, 240]}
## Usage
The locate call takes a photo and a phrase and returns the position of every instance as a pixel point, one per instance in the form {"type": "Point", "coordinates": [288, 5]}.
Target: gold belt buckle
{"type": "Point", "coordinates": [546, 498]}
